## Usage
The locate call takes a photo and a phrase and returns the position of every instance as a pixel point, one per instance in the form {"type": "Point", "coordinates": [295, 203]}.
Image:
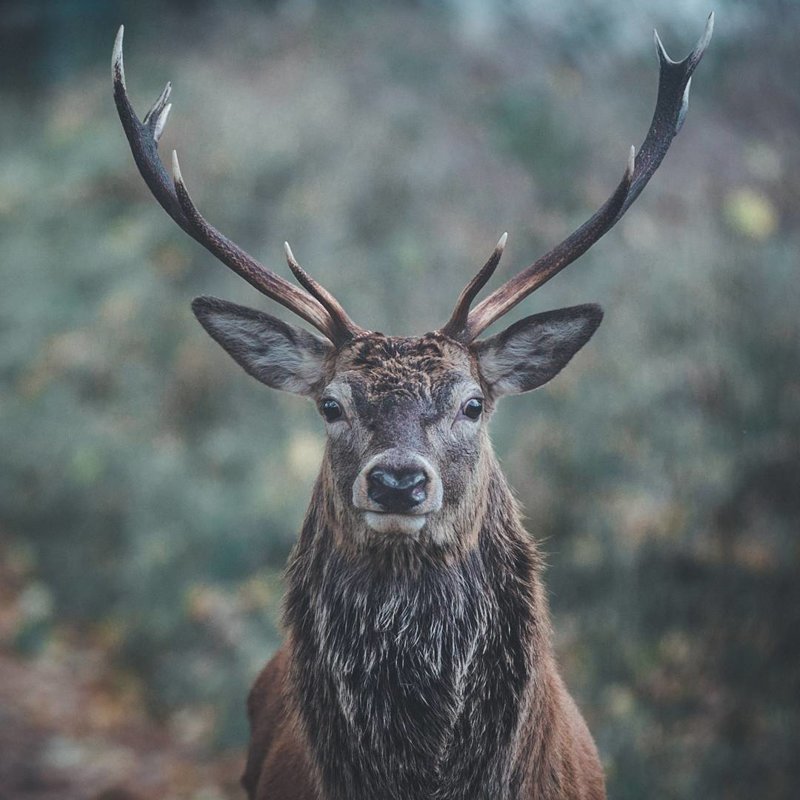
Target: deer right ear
{"type": "Point", "coordinates": [272, 351]}
{"type": "Point", "coordinates": [535, 349]}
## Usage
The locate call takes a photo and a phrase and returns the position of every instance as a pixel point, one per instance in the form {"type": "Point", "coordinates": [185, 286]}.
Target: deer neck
{"type": "Point", "coordinates": [415, 673]}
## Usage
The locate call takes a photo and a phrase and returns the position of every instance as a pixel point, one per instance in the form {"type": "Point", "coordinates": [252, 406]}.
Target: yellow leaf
{"type": "Point", "coordinates": [751, 213]}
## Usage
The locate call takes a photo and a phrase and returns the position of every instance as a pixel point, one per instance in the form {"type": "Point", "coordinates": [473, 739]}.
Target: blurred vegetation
{"type": "Point", "coordinates": [150, 491]}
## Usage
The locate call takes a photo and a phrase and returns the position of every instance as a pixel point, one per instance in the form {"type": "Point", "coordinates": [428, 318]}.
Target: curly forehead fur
{"type": "Point", "coordinates": [410, 366]}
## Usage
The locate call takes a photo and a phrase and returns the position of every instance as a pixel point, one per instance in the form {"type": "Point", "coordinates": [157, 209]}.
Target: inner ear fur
{"type": "Point", "coordinates": [274, 352]}
{"type": "Point", "coordinates": [534, 350]}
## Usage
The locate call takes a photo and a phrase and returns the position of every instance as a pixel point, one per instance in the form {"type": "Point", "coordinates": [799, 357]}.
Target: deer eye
{"type": "Point", "coordinates": [331, 410]}
{"type": "Point", "coordinates": [473, 408]}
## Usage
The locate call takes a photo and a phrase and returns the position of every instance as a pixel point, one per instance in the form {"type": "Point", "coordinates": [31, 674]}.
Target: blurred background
{"type": "Point", "coordinates": [150, 491]}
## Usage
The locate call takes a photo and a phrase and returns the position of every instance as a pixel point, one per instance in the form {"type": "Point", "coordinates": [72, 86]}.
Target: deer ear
{"type": "Point", "coordinates": [272, 351]}
{"type": "Point", "coordinates": [535, 349]}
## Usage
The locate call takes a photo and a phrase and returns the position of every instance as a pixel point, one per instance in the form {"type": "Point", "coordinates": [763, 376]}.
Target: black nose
{"type": "Point", "coordinates": [397, 490]}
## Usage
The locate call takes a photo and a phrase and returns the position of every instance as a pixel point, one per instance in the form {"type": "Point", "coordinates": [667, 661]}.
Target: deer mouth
{"type": "Point", "coordinates": [393, 522]}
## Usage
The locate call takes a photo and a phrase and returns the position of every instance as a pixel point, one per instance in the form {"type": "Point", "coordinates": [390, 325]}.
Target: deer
{"type": "Point", "coordinates": [418, 662]}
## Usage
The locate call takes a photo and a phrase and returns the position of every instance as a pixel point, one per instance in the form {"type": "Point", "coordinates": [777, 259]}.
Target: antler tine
{"type": "Point", "coordinates": [345, 327]}
{"type": "Point", "coordinates": [523, 283]}
{"type": "Point", "coordinates": [674, 83]}
{"type": "Point", "coordinates": [142, 140]}
{"type": "Point", "coordinates": [458, 319]}
{"type": "Point", "coordinates": [670, 111]}
{"type": "Point", "coordinates": [244, 265]}
{"type": "Point", "coordinates": [175, 200]}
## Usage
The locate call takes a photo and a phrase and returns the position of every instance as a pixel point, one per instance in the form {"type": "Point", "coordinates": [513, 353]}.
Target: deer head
{"type": "Point", "coordinates": [407, 451]}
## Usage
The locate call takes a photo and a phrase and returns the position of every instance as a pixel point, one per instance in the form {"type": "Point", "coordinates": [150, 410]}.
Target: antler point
{"type": "Point", "coordinates": [503, 239]}
{"type": "Point", "coordinates": [660, 49]}
{"type": "Point", "coordinates": [289, 254]}
{"type": "Point", "coordinates": [161, 122]}
{"type": "Point", "coordinates": [176, 168]}
{"type": "Point", "coordinates": [702, 44]}
{"type": "Point", "coordinates": [117, 67]}
{"type": "Point", "coordinates": [631, 162]}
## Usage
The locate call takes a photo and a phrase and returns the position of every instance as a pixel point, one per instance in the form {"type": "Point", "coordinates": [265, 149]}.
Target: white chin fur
{"type": "Point", "coordinates": [395, 523]}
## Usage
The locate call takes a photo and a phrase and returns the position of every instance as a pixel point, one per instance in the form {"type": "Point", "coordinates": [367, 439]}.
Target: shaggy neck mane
{"type": "Point", "coordinates": [416, 671]}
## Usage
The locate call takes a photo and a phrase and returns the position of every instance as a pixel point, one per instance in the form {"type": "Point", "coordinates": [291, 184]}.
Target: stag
{"type": "Point", "coordinates": [418, 662]}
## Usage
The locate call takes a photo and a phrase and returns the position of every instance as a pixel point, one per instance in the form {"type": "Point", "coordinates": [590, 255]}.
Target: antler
{"type": "Point", "coordinates": [316, 306]}
{"type": "Point", "coordinates": [671, 105]}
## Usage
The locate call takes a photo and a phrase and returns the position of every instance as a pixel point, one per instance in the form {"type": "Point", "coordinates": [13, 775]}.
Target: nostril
{"type": "Point", "coordinates": [383, 478]}
{"type": "Point", "coordinates": [418, 492]}
{"type": "Point", "coordinates": [411, 480]}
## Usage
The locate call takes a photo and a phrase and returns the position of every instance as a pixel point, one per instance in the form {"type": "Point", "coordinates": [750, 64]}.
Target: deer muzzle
{"type": "Point", "coordinates": [397, 490]}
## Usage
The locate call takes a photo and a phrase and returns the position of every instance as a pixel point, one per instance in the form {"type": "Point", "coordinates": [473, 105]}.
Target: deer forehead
{"type": "Point", "coordinates": [378, 373]}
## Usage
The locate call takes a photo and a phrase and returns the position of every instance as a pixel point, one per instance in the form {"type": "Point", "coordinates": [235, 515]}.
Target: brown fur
{"type": "Point", "coordinates": [547, 752]}
{"type": "Point", "coordinates": [279, 765]}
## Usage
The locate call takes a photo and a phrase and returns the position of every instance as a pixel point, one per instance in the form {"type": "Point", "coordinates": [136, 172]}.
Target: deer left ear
{"type": "Point", "coordinates": [535, 349]}
{"type": "Point", "coordinates": [279, 355]}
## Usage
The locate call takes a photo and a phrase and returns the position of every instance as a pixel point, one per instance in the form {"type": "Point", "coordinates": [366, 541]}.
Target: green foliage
{"type": "Point", "coordinates": [157, 489]}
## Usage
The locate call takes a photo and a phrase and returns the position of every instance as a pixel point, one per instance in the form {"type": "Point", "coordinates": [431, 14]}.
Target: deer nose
{"type": "Point", "coordinates": [397, 490]}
